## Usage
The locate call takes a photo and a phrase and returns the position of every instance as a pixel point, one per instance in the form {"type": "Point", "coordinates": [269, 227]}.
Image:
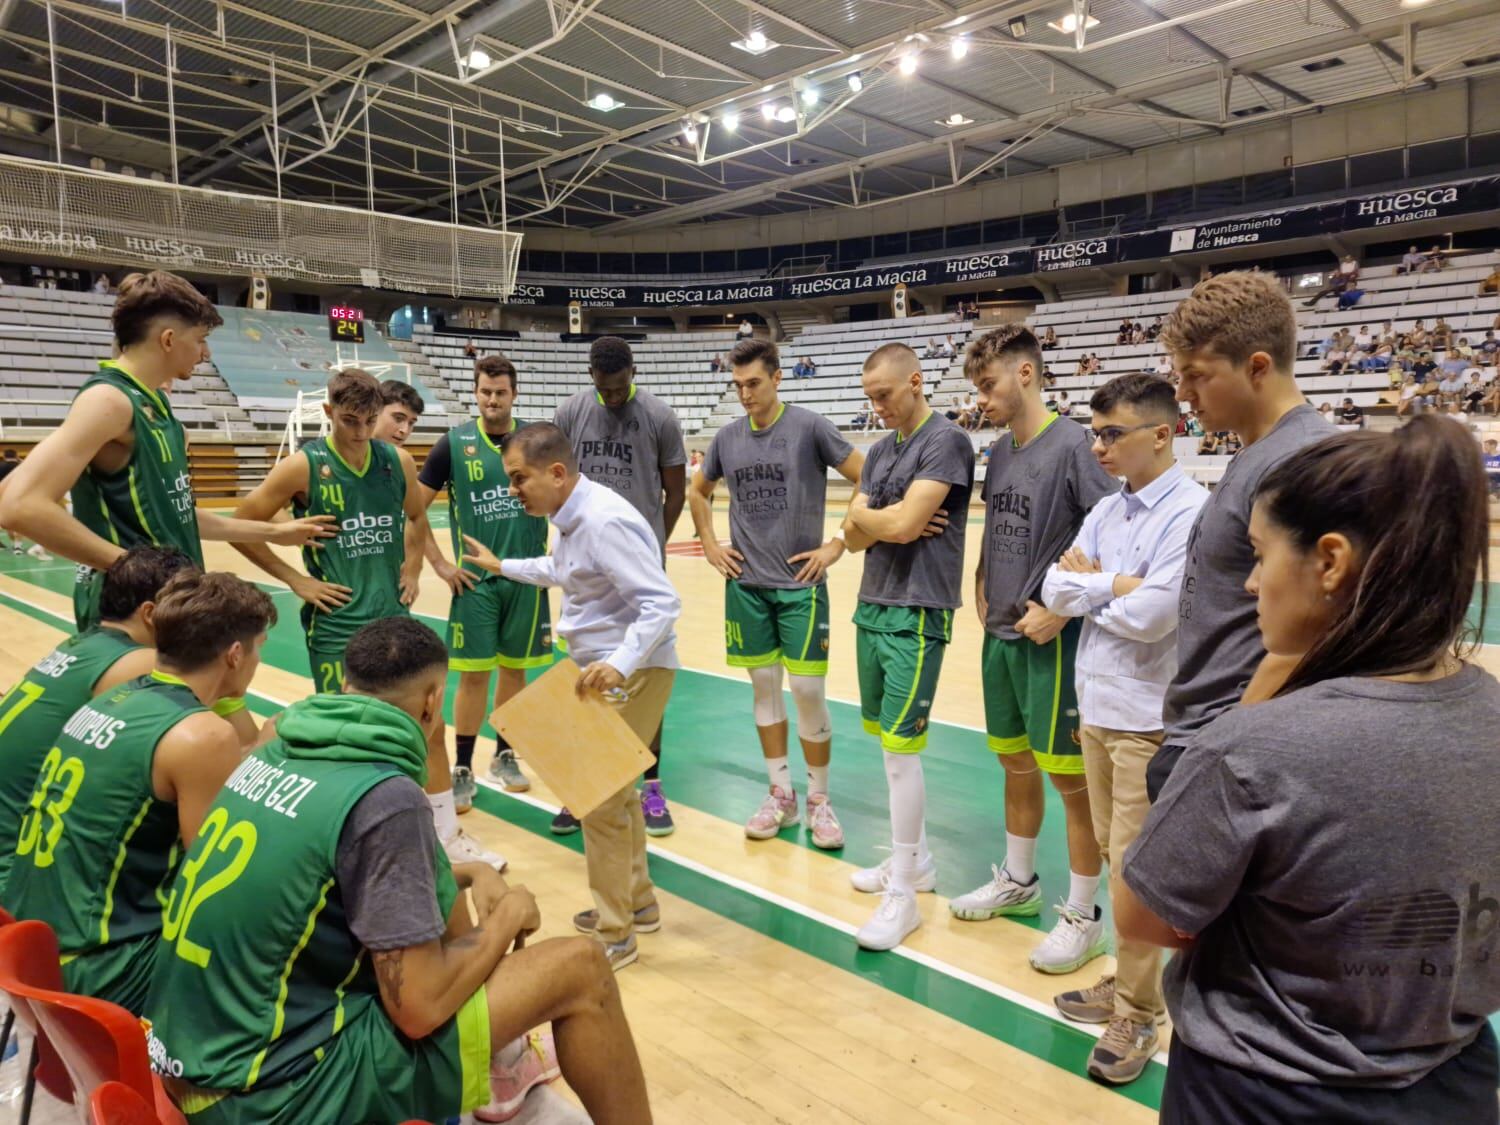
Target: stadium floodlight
{"type": "Point", "coordinates": [603, 102]}
{"type": "Point", "coordinates": [908, 64]}
{"type": "Point", "coordinates": [754, 43]}
{"type": "Point", "coordinates": [478, 59]}
{"type": "Point", "coordinates": [809, 95]}
{"type": "Point", "coordinates": [959, 47]}
{"type": "Point", "coordinates": [730, 120]}
{"type": "Point", "coordinates": [954, 120]}
{"type": "Point", "coordinates": [1068, 24]}
{"type": "Point", "coordinates": [768, 110]}
{"type": "Point", "coordinates": [1017, 27]}
{"type": "Point", "coordinates": [690, 131]}
{"type": "Point", "coordinates": [786, 114]}
{"type": "Point", "coordinates": [856, 83]}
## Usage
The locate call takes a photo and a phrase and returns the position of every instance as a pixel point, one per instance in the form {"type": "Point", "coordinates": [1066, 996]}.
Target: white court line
{"type": "Point", "coordinates": [926, 960]}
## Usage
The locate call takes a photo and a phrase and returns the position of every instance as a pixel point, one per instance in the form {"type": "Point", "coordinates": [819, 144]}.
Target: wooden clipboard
{"type": "Point", "coordinates": [581, 747]}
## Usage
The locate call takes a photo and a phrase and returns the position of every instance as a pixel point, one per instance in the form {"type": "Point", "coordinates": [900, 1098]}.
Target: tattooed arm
{"type": "Point", "coordinates": [422, 986]}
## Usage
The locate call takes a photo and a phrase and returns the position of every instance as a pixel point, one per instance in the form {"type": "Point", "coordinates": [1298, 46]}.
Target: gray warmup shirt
{"type": "Point", "coordinates": [778, 486]}
{"type": "Point", "coordinates": [1218, 641]}
{"type": "Point", "coordinates": [924, 572]}
{"type": "Point", "coordinates": [1329, 850]}
{"type": "Point", "coordinates": [625, 449]}
{"type": "Point", "coordinates": [1035, 498]}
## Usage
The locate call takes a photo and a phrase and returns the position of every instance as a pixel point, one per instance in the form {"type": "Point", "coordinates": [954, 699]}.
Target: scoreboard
{"type": "Point", "coordinates": [346, 325]}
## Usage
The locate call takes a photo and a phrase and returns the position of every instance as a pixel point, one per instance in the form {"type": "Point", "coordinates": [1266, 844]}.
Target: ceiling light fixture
{"type": "Point", "coordinates": [768, 111]}
{"type": "Point", "coordinates": [954, 120]}
{"type": "Point", "coordinates": [786, 114]}
{"type": "Point", "coordinates": [603, 102]}
{"type": "Point", "coordinates": [755, 43]}
{"type": "Point", "coordinates": [908, 64]}
{"type": "Point", "coordinates": [1017, 27]}
{"type": "Point", "coordinates": [478, 60]}
{"type": "Point", "coordinates": [1068, 24]}
{"type": "Point", "coordinates": [690, 131]}
{"type": "Point", "coordinates": [730, 120]}
{"type": "Point", "coordinates": [959, 47]}
{"type": "Point", "coordinates": [809, 95]}
{"type": "Point", "coordinates": [856, 83]}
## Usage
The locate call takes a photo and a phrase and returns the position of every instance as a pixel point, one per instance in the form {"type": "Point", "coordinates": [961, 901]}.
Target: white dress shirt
{"type": "Point", "coordinates": [617, 603]}
{"type": "Point", "coordinates": [1128, 651]}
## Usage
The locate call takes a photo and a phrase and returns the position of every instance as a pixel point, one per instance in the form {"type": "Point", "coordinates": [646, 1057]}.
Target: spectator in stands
{"type": "Point", "coordinates": [1432, 261]}
{"type": "Point", "coordinates": [1461, 349]}
{"type": "Point", "coordinates": [1490, 284]}
{"type": "Point", "coordinates": [1424, 366]}
{"type": "Point", "coordinates": [1194, 426]}
{"type": "Point", "coordinates": [102, 284]}
{"type": "Point", "coordinates": [1411, 261]}
{"type": "Point", "coordinates": [1453, 364]}
{"type": "Point", "coordinates": [1474, 391]}
{"type": "Point", "coordinates": [470, 351]}
{"type": "Point", "coordinates": [811, 365]}
{"type": "Point", "coordinates": [861, 420]}
{"type": "Point", "coordinates": [1326, 411]}
{"type": "Point", "coordinates": [1163, 369]}
{"type": "Point", "coordinates": [1049, 338]}
{"type": "Point", "coordinates": [1488, 347]}
{"type": "Point", "coordinates": [1127, 329]}
{"type": "Point", "coordinates": [1351, 415]}
{"type": "Point", "coordinates": [1048, 378]}
{"type": "Point", "coordinates": [1335, 359]}
{"type": "Point", "coordinates": [1490, 403]}
{"type": "Point", "coordinates": [1492, 465]}
{"type": "Point", "coordinates": [1378, 355]}
{"type": "Point", "coordinates": [1456, 413]}
{"type": "Point", "coordinates": [1442, 334]}
{"type": "Point", "coordinates": [746, 329]}
{"type": "Point", "coordinates": [932, 350]}
{"type": "Point", "coordinates": [695, 460]}
{"type": "Point", "coordinates": [1155, 329]}
{"type": "Point", "coordinates": [716, 365]}
{"type": "Point", "coordinates": [955, 409]}
{"type": "Point", "coordinates": [947, 348]}
{"type": "Point", "coordinates": [1364, 339]}
{"type": "Point", "coordinates": [1232, 443]}
{"type": "Point", "coordinates": [1064, 407]}
{"type": "Point", "coordinates": [1414, 399]}
{"type": "Point", "coordinates": [1343, 279]}
{"type": "Point", "coordinates": [1416, 337]}
{"type": "Point", "coordinates": [1212, 443]}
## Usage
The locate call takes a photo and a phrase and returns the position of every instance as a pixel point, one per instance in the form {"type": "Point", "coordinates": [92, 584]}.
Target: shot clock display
{"type": "Point", "coordinates": [346, 324]}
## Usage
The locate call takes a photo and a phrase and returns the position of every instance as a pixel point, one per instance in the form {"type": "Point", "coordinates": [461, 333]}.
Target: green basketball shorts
{"type": "Point", "coordinates": [1030, 702]}
{"type": "Point", "coordinates": [763, 624]}
{"type": "Point", "coordinates": [500, 624]}
{"type": "Point", "coordinates": [899, 652]}
{"type": "Point", "coordinates": [368, 1072]}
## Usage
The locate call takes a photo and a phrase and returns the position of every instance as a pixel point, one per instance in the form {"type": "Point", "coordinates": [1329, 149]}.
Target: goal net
{"type": "Point", "coordinates": [74, 212]}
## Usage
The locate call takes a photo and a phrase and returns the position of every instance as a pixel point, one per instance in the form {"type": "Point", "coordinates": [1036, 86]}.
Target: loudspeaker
{"type": "Point", "coordinates": [260, 292]}
{"type": "Point", "coordinates": [898, 301]}
{"type": "Point", "coordinates": [575, 317]}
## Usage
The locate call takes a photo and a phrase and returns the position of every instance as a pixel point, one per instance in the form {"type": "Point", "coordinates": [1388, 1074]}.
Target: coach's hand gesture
{"type": "Point", "coordinates": [816, 563]}
{"type": "Point", "coordinates": [726, 560]}
{"type": "Point", "coordinates": [481, 556]}
{"type": "Point", "coordinates": [306, 532]}
{"type": "Point", "coordinates": [458, 579]}
{"type": "Point", "coordinates": [601, 677]}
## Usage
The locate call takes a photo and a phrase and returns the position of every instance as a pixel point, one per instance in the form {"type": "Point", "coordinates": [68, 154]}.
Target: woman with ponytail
{"type": "Point", "coordinates": [1328, 861]}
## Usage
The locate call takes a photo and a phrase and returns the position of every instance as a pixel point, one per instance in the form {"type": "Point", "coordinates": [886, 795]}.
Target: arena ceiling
{"type": "Point", "coordinates": [611, 114]}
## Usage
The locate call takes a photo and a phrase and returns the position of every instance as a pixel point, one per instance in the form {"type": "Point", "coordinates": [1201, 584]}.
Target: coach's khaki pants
{"type": "Point", "coordinates": [614, 834]}
{"type": "Point", "coordinates": [1114, 762]}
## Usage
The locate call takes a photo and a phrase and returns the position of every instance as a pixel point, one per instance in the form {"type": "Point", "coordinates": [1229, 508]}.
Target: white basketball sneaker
{"type": "Point", "coordinates": [1001, 896]}
{"type": "Point", "coordinates": [463, 848]}
{"type": "Point", "coordinates": [872, 880]}
{"type": "Point", "coordinates": [1075, 941]}
{"type": "Point", "coordinates": [894, 919]}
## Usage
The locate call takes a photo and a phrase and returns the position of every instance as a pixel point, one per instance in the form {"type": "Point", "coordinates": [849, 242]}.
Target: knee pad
{"type": "Point", "coordinates": [770, 705]}
{"type": "Point", "coordinates": [814, 724]}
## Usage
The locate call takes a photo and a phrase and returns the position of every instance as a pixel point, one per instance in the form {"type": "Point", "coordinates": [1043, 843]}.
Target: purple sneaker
{"type": "Point", "coordinates": [654, 809]}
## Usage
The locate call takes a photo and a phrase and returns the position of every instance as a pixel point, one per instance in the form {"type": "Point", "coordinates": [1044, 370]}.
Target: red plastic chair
{"type": "Point", "coordinates": [115, 1103]}
{"type": "Point", "coordinates": [96, 1041]}
{"type": "Point", "coordinates": [44, 1065]}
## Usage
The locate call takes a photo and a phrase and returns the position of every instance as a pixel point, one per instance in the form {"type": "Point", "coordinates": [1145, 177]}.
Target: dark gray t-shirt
{"type": "Point", "coordinates": [385, 870]}
{"type": "Point", "coordinates": [924, 572]}
{"type": "Point", "coordinates": [626, 448]}
{"type": "Point", "coordinates": [1035, 498]}
{"type": "Point", "coordinates": [778, 485]}
{"type": "Point", "coordinates": [1218, 641]}
{"type": "Point", "coordinates": [1335, 852]}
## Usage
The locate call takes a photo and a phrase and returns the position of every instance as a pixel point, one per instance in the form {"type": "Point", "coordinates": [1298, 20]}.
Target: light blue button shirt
{"type": "Point", "coordinates": [1128, 651]}
{"type": "Point", "coordinates": [617, 603]}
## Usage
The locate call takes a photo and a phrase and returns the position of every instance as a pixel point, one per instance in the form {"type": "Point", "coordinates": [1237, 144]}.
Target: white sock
{"type": "Point", "coordinates": [1081, 892]}
{"type": "Point", "coordinates": [817, 779]}
{"type": "Point", "coordinates": [780, 771]}
{"type": "Point", "coordinates": [908, 815]}
{"type": "Point", "coordinates": [510, 1054]}
{"type": "Point", "coordinates": [444, 815]}
{"type": "Point", "coordinates": [1020, 857]}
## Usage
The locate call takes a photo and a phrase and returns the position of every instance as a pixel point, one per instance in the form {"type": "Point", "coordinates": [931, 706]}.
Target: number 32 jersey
{"type": "Point", "coordinates": [96, 847]}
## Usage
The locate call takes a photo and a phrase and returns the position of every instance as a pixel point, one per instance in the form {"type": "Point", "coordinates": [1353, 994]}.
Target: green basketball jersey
{"type": "Point", "coordinates": [260, 971]}
{"type": "Point", "coordinates": [150, 500]}
{"type": "Point", "coordinates": [96, 846]}
{"type": "Point", "coordinates": [33, 713]}
{"type": "Point", "coordinates": [370, 548]}
{"type": "Point", "coordinates": [479, 499]}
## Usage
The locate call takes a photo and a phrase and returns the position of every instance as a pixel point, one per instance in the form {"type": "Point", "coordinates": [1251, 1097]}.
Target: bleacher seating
{"type": "Point", "coordinates": [53, 341]}
{"type": "Point", "coordinates": [674, 367]}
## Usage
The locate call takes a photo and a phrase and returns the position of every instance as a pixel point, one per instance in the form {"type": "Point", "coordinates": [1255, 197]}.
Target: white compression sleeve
{"type": "Point", "coordinates": [809, 693]}
{"type": "Point", "coordinates": [770, 704]}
